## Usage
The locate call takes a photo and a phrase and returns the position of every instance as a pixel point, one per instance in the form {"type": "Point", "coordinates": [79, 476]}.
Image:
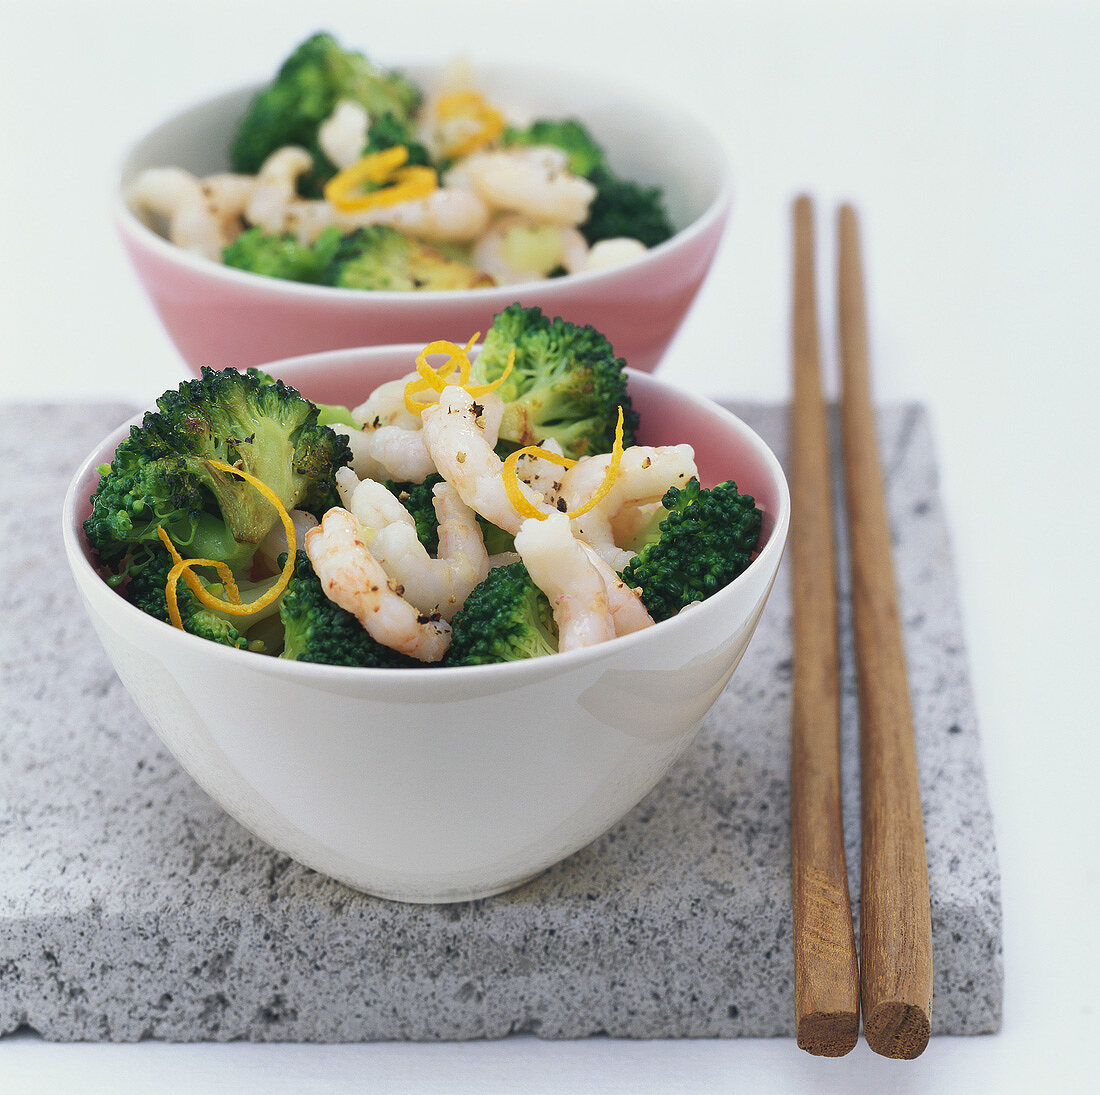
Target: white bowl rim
{"type": "Point", "coordinates": [499, 673]}
{"type": "Point", "coordinates": [129, 223]}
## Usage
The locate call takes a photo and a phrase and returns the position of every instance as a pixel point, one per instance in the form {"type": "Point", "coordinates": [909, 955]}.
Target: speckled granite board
{"type": "Point", "coordinates": [132, 907]}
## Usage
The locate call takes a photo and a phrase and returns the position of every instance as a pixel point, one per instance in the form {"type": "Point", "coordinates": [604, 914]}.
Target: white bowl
{"type": "Point", "coordinates": [221, 317]}
{"type": "Point", "coordinates": [443, 784]}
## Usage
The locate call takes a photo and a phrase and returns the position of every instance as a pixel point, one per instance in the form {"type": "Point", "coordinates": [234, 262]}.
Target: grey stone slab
{"type": "Point", "coordinates": [132, 907]}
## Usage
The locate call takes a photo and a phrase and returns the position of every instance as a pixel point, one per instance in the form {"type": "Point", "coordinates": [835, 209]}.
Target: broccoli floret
{"type": "Point", "coordinates": [146, 590]}
{"type": "Point", "coordinates": [319, 630]}
{"type": "Point", "coordinates": [585, 155]}
{"type": "Point", "coordinates": [380, 257]}
{"type": "Point", "coordinates": [281, 255]}
{"type": "Point", "coordinates": [699, 542]}
{"type": "Point", "coordinates": [566, 383]}
{"type": "Point", "coordinates": [622, 208]}
{"type": "Point", "coordinates": [311, 81]}
{"type": "Point", "coordinates": [389, 130]}
{"type": "Point", "coordinates": [505, 619]}
{"type": "Point", "coordinates": [275, 256]}
{"type": "Point", "coordinates": [161, 474]}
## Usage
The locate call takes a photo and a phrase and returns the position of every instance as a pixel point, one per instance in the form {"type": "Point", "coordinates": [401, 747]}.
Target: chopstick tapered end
{"type": "Point", "coordinates": [828, 1034]}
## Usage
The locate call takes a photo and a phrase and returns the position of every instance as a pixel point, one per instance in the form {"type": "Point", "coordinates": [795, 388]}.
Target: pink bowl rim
{"type": "Point", "coordinates": [141, 235]}
{"type": "Point", "coordinates": [498, 674]}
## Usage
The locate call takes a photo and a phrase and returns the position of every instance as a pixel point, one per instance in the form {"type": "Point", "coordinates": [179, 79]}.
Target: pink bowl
{"type": "Point", "coordinates": [223, 317]}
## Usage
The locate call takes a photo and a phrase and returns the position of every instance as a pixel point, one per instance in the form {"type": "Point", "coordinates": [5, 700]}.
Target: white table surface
{"type": "Point", "coordinates": [967, 135]}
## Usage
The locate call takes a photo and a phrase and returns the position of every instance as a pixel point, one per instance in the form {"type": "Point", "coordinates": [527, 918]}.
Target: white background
{"type": "Point", "coordinates": [968, 137]}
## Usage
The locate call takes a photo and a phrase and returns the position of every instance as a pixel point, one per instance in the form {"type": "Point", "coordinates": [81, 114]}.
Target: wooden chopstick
{"type": "Point", "coordinates": [895, 930]}
{"type": "Point", "coordinates": [826, 974]}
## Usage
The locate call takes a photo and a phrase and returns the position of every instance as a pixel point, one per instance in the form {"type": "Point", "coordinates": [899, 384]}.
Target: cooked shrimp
{"type": "Point", "coordinates": [446, 215]}
{"type": "Point", "coordinates": [606, 254]}
{"type": "Point", "coordinates": [385, 406]}
{"type": "Point", "coordinates": [275, 543]}
{"type": "Point", "coordinates": [539, 474]}
{"type": "Point", "coordinates": [560, 567]}
{"type": "Point", "coordinates": [534, 180]}
{"type": "Point", "coordinates": [308, 218]}
{"type": "Point", "coordinates": [352, 578]}
{"type": "Point", "coordinates": [203, 215]}
{"type": "Point", "coordinates": [459, 438]}
{"type": "Point", "coordinates": [645, 473]}
{"type": "Point", "coordinates": [518, 248]}
{"type": "Point", "coordinates": [391, 452]}
{"type": "Point", "coordinates": [627, 610]}
{"type": "Point", "coordinates": [432, 585]}
{"type": "Point", "coordinates": [276, 187]}
{"type": "Point", "coordinates": [343, 134]}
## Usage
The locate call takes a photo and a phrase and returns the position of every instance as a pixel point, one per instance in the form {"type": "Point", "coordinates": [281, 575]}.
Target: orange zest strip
{"type": "Point", "coordinates": [483, 389]}
{"type": "Point", "coordinates": [171, 593]}
{"type": "Point", "coordinates": [234, 607]}
{"type": "Point", "coordinates": [413, 389]}
{"type": "Point", "coordinates": [510, 474]}
{"type": "Point", "coordinates": [609, 475]}
{"type": "Point", "coordinates": [224, 573]}
{"type": "Point", "coordinates": [380, 168]}
{"type": "Point", "coordinates": [472, 105]}
{"type": "Point", "coordinates": [437, 379]}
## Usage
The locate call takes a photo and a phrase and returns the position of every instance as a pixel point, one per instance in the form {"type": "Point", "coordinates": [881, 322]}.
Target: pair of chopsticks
{"type": "Point", "coordinates": [893, 976]}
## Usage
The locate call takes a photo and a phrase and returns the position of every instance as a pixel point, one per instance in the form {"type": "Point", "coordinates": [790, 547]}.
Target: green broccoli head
{"type": "Point", "coordinates": [389, 130]}
{"type": "Point", "coordinates": [380, 257]}
{"type": "Point", "coordinates": [161, 473]}
{"type": "Point", "coordinates": [146, 589]}
{"type": "Point", "coordinates": [278, 255]}
{"type": "Point", "coordinates": [319, 630]}
{"type": "Point", "coordinates": [305, 91]}
{"type": "Point", "coordinates": [622, 208]}
{"type": "Point", "coordinates": [505, 619]}
{"type": "Point", "coordinates": [699, 542]}
{"type": "Point", "coordinates": [566, 383]}
{"type": "Point", "coordinates": [585, 155]}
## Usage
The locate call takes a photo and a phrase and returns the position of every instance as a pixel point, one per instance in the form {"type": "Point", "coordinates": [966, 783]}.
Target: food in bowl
{"type": "Point", "coordinates": [490, 508]}
{"type": "Point", "coordinates": [348, 175]}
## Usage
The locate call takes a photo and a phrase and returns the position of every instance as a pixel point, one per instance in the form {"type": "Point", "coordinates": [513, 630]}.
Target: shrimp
{"type": "Point", "coordinates": [400, 452]}
{"type": "Point", "coordinates": [560, 567]}
{"type": "Point", "coordinates": [458, 435]}
{"type": "Point", "coordinates": [446, 215]}
{"type": "Point", "coordinates": [539, 474]}
{"type": "Point", "coordinates": [351, 577]}
{"type": "Point", "coordinates": [276, 187]}
{"type": "Point", "coordinates": [645, 473]}
{"type": "Point", "coordinates": [532, 180]}
{"type": "Point", "coordinates": [275, 543]}
{"type": "Point", "coordinates": [203, 215]}
{"type": "Point", "coordinates": [431, 585]}
{"type": "Point", "coordinates": [343, 134]}
{"type": "Point", "coordinates": [606, 254]}
{"type": "Point", "coordinates": [385, 406]}
{"type": "Point", "coordinates": [390, 452]}
{"type": "Point", "coordinates": [518, 248]}
{"type": "Point", "coordinates": [628, 612]}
